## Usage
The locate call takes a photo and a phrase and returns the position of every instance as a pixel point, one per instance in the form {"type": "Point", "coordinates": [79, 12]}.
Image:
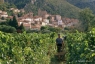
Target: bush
{"type": "Point", "coordinates": [53, 29]}
{"type": "Point", "coordinates": [31, 31]}
{"type": "Point", "coordinates": [7, 29]}
{"type": "Point", "coordinates": [50, 29]}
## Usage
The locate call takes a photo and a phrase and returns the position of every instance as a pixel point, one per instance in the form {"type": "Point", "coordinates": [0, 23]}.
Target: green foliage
{"type": "Point", "coordinates": [66, 8]}
{"type": "Point", "coordinates": [61, 7]}
{"type": "Point", "coordinates": [10, 12]}
{"type": "Point", "coordinates": [11, 25]}
{"type": "Point", "coordinates": [80, 48]}
{"type": "Point", "coordinates": [21, 27]}
{"type": "Point", "coordinates": [43, 27]}
{"type": "Point", "coordinates": [20, 14]}
{"type": "Point", "coordinates": [83, 4]}
{"type": "Point", "coordinates": [33, 31]}
{"type": "Point", "coordinates": [40, 3]}
{"type": "Point", "coordinates": [48, 29]}
{"type": "Point", "coordinates": [33, 47]}
{"type": "Point", "coordinates": [4, 23]}
{"type": "Point", "coordinates": [91, 39]}
{"type": "Point", "coordinates": [55, 29]}
{"type": "Point", "coordinates": [7, 29]}
{"type": "Point", "coordinates": [31, 8]}
{"type": "Point", "coordinates": [6, 6]}
{"type": "Point", "coordinates": [87, 19]}
{"type": "Point", "coordinates": [13, 22]}
{"type": "Point", "coordinates": [25, 48]}
{"type": "Point", "coordinates": [18, 3]}
{"type": "Point", "coordinates": [2, 18]}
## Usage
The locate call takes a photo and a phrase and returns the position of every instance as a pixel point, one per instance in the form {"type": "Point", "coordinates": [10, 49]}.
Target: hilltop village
{"type": "Point", "coordinates": [41, 19]}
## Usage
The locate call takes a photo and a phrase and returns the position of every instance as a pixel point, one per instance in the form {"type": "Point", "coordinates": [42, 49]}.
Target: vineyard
{"type": "Point", "coordinates": [37, 48]}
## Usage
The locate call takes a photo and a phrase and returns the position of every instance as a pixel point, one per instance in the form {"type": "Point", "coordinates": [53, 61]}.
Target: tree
{"type": "Point", "coordinates": [40, 3]}
{"type": "Point", "coordinates": [21, 27]}
{"type": "Point", "coordinates": [43, 28]}
{"type": "Point", "coordinates": [14, 22]}
{"type": "Point", "coordinates": [2, 18]}
{"type": "Point", "coordinates": [7, 29]}
{"type": "Point", "coordinates": [86, 17]}
{"type": "Point", "coordinates": [20, 14]}
{"type": "Point", "coordinates": [6, 6]}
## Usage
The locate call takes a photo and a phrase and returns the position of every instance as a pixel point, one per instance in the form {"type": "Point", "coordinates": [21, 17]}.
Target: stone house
{"type": "Point", "coordinates": [70, 22]}
{"type": "Point", "coordinates": [37, 19]}
{"type": "Point", "coordinates": [3, 14]}
{"type": "Point", "coordinates": [52, 18]}
{"type": "Point", "coordinates": [60, 22]}
{"type": "Point", "coordinates": [0, 11]}
{"type": "Point", "coordinates": [58, 17]}
{"type": "Point", "coordinates": [26, 24]}
{"type": "Point", "coordinates": [46, 20]}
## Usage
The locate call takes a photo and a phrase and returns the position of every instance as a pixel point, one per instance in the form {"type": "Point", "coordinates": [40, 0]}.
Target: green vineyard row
{"type": "Point", "coordinates": [37, 48]}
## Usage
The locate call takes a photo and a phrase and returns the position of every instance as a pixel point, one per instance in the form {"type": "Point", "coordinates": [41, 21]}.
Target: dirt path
{"type": "Point", "coordinates": [58, 59]}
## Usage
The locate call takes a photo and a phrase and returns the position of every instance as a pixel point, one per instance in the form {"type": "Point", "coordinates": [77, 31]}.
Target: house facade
{"type": "Point", "coordinates": [58, 17]}
{"type": "Point", "coordinates": [3, 14]}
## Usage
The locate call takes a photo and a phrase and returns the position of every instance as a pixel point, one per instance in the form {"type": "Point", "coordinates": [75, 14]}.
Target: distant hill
{"type": "Point", "coordinates": [84, 4]}
{"type": "Point", "coordinates": [61, 7]}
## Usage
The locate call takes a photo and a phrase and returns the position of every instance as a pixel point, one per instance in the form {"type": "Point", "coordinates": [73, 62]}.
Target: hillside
{"type": "Point", "coordinates": [61, 7]}
{"type": "Point", "coordinates": [18, 3]}
{"type": "Point", "coordinates": [84, 4]}
{"type": "Point", "coordinates": [78, 1]}
{"type": "Point", "coordinates": [68, 8]}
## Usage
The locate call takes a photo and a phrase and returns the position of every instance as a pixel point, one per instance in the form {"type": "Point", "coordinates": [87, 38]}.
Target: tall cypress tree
{"type": "Point", "coordinates": [14, 22]}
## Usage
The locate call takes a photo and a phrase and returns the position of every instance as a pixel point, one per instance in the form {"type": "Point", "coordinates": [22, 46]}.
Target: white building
{"type": "Point", "coordinates": [0, 11]}
{"type": "Point", "coordinates": [44, 24]}
{"type": "Point", "coordinates": [37, 18]}
{"type": "Point", "coordinates": [60, 22]}
{"type": "Point", "coordinates": [28, 20]}
{"type": "Point", "coordinates": [5, 16]}
{"type": "Point", "coordinates": [46, 20]}
{"type": "Point", "coordinates": [16, 11]}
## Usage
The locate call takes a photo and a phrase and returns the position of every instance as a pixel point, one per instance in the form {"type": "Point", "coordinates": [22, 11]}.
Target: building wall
{"type": "Point", "coordinates": [58, 17]}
